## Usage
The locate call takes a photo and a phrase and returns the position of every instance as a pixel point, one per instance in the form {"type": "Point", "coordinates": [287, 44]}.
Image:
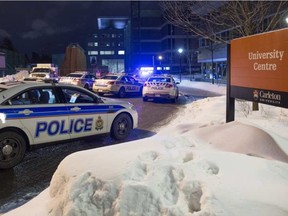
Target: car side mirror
{"type": "Point", "coordinates": [99, 100]}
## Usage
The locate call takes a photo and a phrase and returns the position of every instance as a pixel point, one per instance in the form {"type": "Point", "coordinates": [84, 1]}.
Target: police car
{"type": "Point", "coordinates": [80, 78]}
{"type": "Point", "coordinates": [160, 86]}
{"type": "Point", "coordinates": [117, 84]}
{"type": "Point", "coordinates": [38, 112]}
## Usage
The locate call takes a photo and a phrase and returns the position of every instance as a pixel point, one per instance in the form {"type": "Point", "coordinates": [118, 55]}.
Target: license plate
{"type": "Point", "coordinates": [158, 88]}
{"type": "Point", "coordinates": [157, 95]}
{"type": "Point", "coordinates": [100, 90]}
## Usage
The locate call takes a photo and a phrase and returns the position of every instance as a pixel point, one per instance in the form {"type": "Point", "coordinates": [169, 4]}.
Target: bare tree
{"type": "Point", "coordinates": [207, 19]}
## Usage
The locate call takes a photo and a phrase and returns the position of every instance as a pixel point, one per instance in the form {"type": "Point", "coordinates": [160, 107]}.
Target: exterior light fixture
{"type": "Point", "coordinates": [180, 51]}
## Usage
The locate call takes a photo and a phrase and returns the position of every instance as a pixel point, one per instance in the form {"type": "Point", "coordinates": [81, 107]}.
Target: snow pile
{"type": "Point", "coordinates": [198, 165]}
{"type": "Point", "coordinates": [15, 77]}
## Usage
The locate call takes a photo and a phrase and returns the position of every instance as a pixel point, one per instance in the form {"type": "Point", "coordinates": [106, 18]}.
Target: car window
{"type": "Point", "coordinates": [74, 95]}
{"type": "Point", "coordinates": [34, 96]}
{"type": "Point", "coordinates": [132, 79]}
{"type": "Point", "coordinates": [110, 77]}
{"type": "Point", "coordinates": [159, 79]}
{"type": "Point", "coordinates": [74, 75]}
{"type": "Point", "coordinates": [124, 79]}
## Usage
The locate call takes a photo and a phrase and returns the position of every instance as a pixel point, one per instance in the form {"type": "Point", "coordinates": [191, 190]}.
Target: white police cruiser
{"type": "Point", "coordinates": [160, 86]}
{"type": "Point", "coordinates": [33, 113]}
{"type": "Point", "coordinates": [117, 84]}
{"type": "Point", "coordinates": [80, 78]}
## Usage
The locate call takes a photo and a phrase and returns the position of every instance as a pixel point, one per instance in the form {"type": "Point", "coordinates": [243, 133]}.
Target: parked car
{"type": "Point", "coordinates": [117, 84]}
{"type": "Point", "coordinates": [160, 86]}
{"type": "Point", "coordinates": [38, 112]}
{"type": "Point", "coordinates": [79, 78]}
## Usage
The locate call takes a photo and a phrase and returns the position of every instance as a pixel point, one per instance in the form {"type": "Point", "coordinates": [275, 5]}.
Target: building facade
{"type": "Point", "coordinates": [155, 42]}
{"type": "Point", "coordinates": [144, 40]}
{"type": "Point", "coordinates": [105, 48]}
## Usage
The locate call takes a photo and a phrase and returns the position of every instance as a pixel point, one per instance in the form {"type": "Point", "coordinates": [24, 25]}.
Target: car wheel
{"type": "Point", "coordinates": [145, 99]}
{"type": "Point", "coordinates": [121, 126]}
{"type": "Point", "coordinates": [122, 92]}
{"type": "Point", "coordinates": [12, 149]}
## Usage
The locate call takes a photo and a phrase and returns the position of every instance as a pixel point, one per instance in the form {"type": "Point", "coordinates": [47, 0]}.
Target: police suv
{"type": "Point", "coordinates": [33, 113]}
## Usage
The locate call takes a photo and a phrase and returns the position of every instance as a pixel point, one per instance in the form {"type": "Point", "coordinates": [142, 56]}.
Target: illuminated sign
{"type": "Point", "coordinates": [259, 68]}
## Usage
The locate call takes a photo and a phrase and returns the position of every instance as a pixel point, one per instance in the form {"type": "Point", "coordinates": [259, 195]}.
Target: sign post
{"type": "Point", "coordinates": [259, 69]}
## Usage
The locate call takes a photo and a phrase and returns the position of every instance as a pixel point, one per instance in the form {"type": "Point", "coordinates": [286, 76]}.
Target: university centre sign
{"type": "Point", "coordinates": [259, 68]}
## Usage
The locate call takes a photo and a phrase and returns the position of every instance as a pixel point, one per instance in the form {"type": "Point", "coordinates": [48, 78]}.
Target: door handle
{"type": "Point", "coordinates": [76, 109]}
{"type": "Point", "coordinates": [26, 112]}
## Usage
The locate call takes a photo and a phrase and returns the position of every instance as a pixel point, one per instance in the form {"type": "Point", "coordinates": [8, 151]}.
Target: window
{"type": "Point", "coordinates": [106, 52]}
{"type": "Point", "coordinates": [121, 52]}
{"type": "Point", "coordinates": [90, 44]}
{"type": "Point", "coordinates": [95, 44]}
{"type": "Point", "coordinates": [35, 96]}
{"type": "Point", "coordinates": [92, 52]}
{"type": "Point", "coordinates": [73, 95]}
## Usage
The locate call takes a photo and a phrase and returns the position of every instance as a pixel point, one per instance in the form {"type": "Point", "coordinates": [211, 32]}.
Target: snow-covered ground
{"type": "Point", "coordinates": [197, 165]}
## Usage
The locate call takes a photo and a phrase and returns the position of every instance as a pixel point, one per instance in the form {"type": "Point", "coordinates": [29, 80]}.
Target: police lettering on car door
{"type": "Point", "coordinates": [61, 127]}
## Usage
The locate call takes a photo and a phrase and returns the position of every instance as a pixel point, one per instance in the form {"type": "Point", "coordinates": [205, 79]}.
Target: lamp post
{"type": "Point", "coordinates": [180, 51]}
{"type": "Point", "coordinates": [160, 58]}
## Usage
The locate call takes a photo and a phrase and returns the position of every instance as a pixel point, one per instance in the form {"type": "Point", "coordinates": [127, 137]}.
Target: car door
{"type": "Point", "coordinates": [131, 85]}
{"type": "Point", "coordinates": [90, 80]}
{"type": "Point", "coordinates": [41, 114]}
{"type": "Point", "coordinates": [86, 116]}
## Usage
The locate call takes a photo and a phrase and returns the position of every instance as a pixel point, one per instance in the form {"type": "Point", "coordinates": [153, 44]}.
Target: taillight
{"type": "Point", "coordinates": [111, 82]}
{"type": "Point", "coordinates": [168, 85]}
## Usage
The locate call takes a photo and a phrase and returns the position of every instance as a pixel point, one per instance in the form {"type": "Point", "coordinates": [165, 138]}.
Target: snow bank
{"type": "Point", "coordinates": [197, 165]}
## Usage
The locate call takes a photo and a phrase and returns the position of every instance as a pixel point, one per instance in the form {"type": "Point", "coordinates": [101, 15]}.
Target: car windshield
{"type": "Point", "coordinates": [110, 77]}
{"type": "Point", "coordinates": [74, 75]}
{"type": "Point", "coordinates": [159, 79]}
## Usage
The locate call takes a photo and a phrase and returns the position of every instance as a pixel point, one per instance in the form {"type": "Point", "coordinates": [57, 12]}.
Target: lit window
{"type": "Point", "coordinates": [121, 52]}
{"type": "Point", "coordinates": [92, 52]}
{"type": "Point", "coordinates": [106, 52]}
{"type": "Point", "coordinates": [90, 44]}
{"type": "Point", "coordinates": [96, 44]}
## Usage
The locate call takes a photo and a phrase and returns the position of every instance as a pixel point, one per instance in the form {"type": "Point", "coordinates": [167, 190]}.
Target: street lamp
{"type": "Point", "coordinates": [160, 58]}
{"type": "Point", "coordinates": [180, 51]}
{"type": "Point", "coordinates": [286, 20]}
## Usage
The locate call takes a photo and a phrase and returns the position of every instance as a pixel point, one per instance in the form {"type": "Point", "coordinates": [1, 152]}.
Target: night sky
{"type": "Point", "coordinates": [49, 27]}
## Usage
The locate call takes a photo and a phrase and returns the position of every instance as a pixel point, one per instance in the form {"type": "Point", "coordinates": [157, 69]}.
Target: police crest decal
{"type": "Point", "coordinates": [99, 123]}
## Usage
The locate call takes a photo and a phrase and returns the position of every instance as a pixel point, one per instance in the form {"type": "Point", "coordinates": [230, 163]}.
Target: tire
{"type": "Point", "coordinates": [121, 126]}
{"type": "Point", "coordinates": [145, 99]}
{"type": "Point", "coordinates": [121, 93]}
{"type": "Point", "coordinates": [12, 149]}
